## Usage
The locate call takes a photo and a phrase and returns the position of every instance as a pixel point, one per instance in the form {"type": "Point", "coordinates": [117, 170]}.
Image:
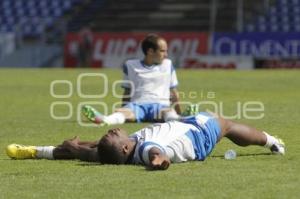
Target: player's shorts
{"type": "Point", "coordinates": [206, 136]}
{"type": "Point", "coordinates": [145, 112]}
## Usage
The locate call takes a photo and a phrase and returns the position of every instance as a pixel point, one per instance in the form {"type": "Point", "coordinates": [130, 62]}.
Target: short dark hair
{"type": "Point", "coordinates": [109, 153]}
{"type": "Point", "coordinates": [150, 41]}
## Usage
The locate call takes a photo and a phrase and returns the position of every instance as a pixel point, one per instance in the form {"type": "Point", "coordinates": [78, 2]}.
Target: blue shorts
{"type": "Point", "coordinates": [145, 112]}
{"type": "Point", "coordinates": [207, 134]}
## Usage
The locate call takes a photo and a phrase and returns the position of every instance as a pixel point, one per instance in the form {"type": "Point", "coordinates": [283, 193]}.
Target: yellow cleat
{"type": "Point", "coordinates": [17, 151]}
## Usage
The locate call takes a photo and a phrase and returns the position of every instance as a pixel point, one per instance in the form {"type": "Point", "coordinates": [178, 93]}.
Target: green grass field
{"type": "Point", "coordinates": [25, 119]}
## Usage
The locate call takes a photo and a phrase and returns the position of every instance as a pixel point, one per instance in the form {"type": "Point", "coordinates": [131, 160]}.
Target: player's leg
{"type": "Point", "coordinates": [84, 154]}
{"type": "Point", "coordinates": [61, 153]}
{"type": "Point", "coordinates": [120, 115]}
{"type": "Point", "coordinates": [86, 151]}
{"type": "Point", "coordinates": [244, 135]}
{"type": "Point", "coordinates": [17, 151]}
{"type": "Point", "coordinates": [127, 113]}
{"type": "Point", "coordinates": [160, 113]}
{"type": "Point", "coordinates": [169, 114]}
{"type": "Point", "coordinates": [131, 112]}
{"type": "Point", "coordinates": [151, 112]}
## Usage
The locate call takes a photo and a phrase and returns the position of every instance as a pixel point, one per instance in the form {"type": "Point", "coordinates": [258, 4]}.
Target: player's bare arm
{"type": "Point", "coordinates": [125, 98]}
{"type": "Point", "coordinates": [174, 97]}
{"type": "Point", "coordinates": [85, 151]}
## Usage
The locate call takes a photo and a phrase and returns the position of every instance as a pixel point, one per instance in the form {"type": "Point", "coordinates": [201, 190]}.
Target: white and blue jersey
{"type": "Point", "coordinates": [150, 84]}
{"type": "Point", "coordinates": [191, 139]}
{"type": "Point", "coordinates": [150, 87]}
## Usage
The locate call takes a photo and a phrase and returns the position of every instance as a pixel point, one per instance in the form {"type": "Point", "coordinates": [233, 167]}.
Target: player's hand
{"type": "Point", "coordinates": [71, 142]}
{"type": "Point", "coordinates": [160, 162]}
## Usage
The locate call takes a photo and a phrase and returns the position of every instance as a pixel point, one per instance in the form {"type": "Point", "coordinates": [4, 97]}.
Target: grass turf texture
{"type": "Point", "coordinates": [25, 118]}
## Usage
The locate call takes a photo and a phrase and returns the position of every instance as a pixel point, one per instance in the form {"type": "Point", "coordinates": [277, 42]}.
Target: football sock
{"type": "Point", "coordinates": [115, 118]}
{"type": "Point", "coordinates": [270, 140]}
{"type": "Point", "coordinates": [45, 152]}
{"type": "Point", "coordinates": [170, 115]}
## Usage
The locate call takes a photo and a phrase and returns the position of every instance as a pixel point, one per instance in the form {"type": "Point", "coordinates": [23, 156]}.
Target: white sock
{"type": "Point", "coordinates": [45, 152]}
{"type": "Point", "coordinates": [115, 118]}
{"type": "Point", "coordinates": [270, 140]}
{"type": "Point", "coordinates": [171, 115]}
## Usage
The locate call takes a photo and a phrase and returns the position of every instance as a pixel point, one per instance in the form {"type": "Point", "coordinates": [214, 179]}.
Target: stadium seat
{"type": "Point", "coordinates": [283, 16]}
{"type": "Point", "coordinates": [274, 28]}
{"type": "Point", "coordinates": [33, 15]}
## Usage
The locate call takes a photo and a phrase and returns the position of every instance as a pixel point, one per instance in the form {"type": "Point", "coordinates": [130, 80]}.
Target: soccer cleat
{"type": "Point", "coordinates": [278, 148]}
{"type": "Point", "coordinates": [17, 151]}
{"type": "Point", "coordinates": [192, 109]}
{"type": "Point", "coordinates": [93, 115]}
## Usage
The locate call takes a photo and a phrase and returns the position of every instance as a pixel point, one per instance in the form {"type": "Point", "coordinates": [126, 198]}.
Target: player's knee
{"type": "Point", "coordinates": [128, 114]}
{"type": "Point", "coordinates": [226, 126]}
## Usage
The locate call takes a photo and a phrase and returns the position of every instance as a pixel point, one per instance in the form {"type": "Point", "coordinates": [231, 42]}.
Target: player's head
{"type": "Point", "coordinates": [113, 147]}
{"type": "Point", "coordinates": [155, 48]}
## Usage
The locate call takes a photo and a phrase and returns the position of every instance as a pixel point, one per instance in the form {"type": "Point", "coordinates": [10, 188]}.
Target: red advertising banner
{"type": "Point", "coordinates": [112, 49]}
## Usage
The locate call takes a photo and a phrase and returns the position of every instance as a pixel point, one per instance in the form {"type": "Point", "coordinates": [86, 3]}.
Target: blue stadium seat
{"type": "Point", "coordinates": [287, 28]}
{"type": "Point", "coordinates": [7, 12]}
{"type": "Point", "coordinates": [33, 15]}
{"type": "Point", "coordinates": [250, 28]}
{"type": "Point", "coordinates": [297, 27]}
{"type": "Point", "coordinates": [66, 5]}
{"type": "Point", "coordinates": [18, 4]}
{"type": "Point", "coordinates": [296, 9]}
{"type": "Point", "coordinates": [32, 12]}
{"type": "Point", "coordinates": [273, 19]}
{"type": "Point", "coordinates": [274, 28]}
{"type": "Point", "coordinates": [283, 16]}
{"type": "Point", "coordinates": [20, 12]}
{"type": "Point", "coordinates": [45, 12]}
{"type": "Point", "coordinates": [5, 28]}
{"type": "Point", "coordinates": [6, 4]}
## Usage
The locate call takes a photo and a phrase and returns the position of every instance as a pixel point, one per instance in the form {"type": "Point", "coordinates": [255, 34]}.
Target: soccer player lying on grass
{"type": "Point", "coordinates": [157, 145]}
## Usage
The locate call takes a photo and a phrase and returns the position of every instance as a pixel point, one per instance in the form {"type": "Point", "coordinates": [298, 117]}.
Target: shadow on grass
{"type": "Point", "coordinates": [241, 155]}
{"type": "Point", "coordinates": [92, 164]}
{"type": "Point", "coordinates": [89, 164]}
